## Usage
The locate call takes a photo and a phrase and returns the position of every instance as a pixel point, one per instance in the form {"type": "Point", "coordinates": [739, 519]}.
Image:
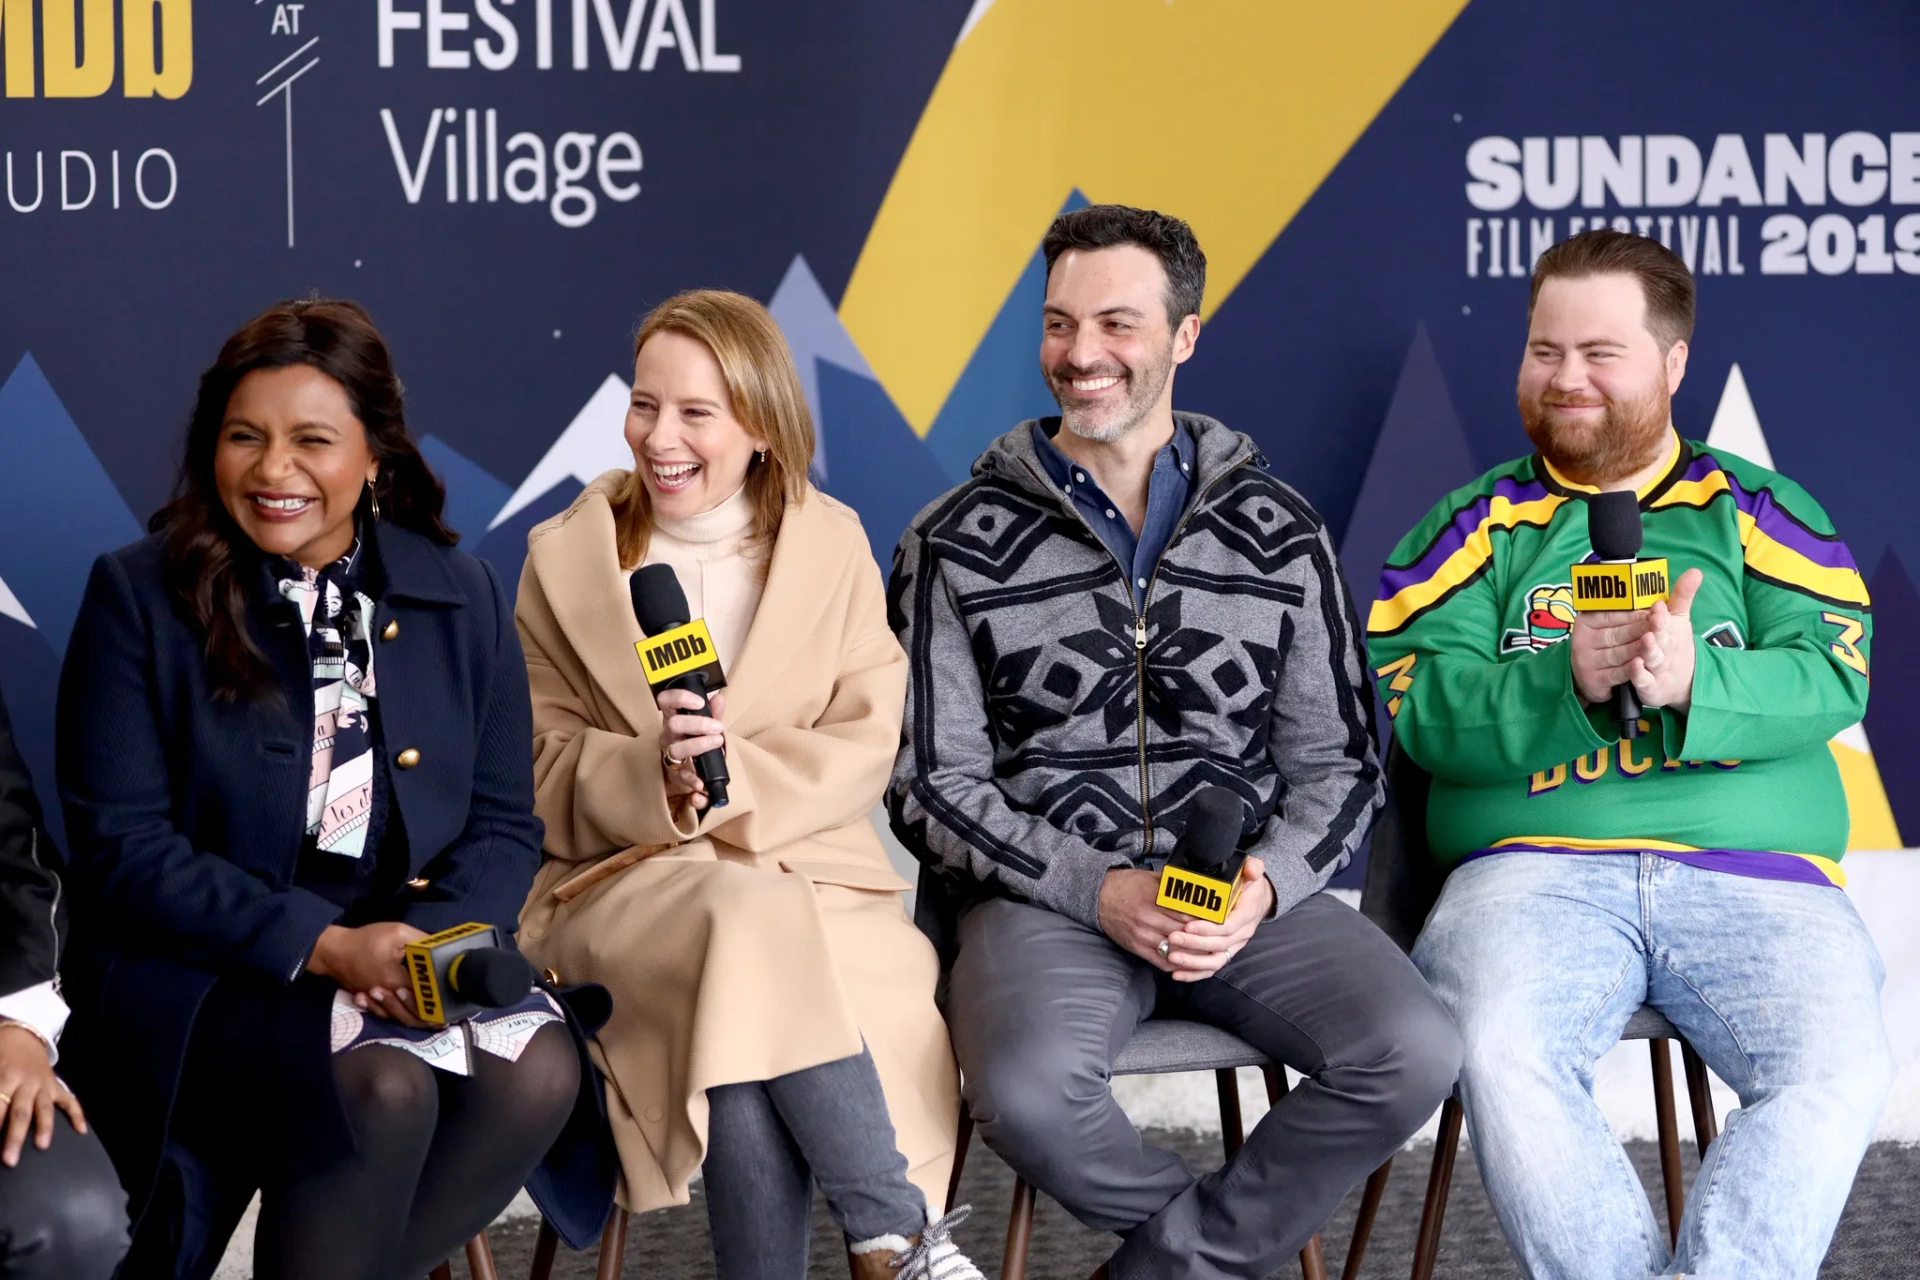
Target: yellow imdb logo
{"type": "Point", "coordinates": [1194, 895]}
{"type": "Point", "coordinates": [77, 47]}
{"type": "Point", "coordinates": [429, 1002]}
{"type": "Point", "coordinates": [1620, 585]}
{"type": "Point", "coordinates": [676, 652]}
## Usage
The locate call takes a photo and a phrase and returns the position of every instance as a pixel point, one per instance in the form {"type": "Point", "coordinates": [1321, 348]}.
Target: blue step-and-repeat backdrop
{"type": "Point", "coordinates": [508, 185]}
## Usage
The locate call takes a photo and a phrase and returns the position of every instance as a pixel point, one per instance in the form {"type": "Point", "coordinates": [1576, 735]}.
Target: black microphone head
{"type": "Point", "coordinates": [1212, 832]}
{"type": "Point", "coordinates": [1613, 522]}
{"type": "Point", "coordinates": [658, 602]}
{"type": "Point", "coordinates": [491, 976]}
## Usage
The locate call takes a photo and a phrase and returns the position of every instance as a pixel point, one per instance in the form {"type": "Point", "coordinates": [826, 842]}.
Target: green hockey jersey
{"type": "Point", "coordinates": [1467, 645]}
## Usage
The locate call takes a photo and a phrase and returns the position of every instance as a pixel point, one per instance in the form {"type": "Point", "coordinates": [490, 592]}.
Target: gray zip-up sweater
{"type": "Point", "coordinates": [1053, 733]}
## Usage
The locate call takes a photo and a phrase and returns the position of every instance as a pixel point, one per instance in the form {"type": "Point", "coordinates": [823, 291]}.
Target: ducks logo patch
{"type": "Point", "coordinates": [1549, 619]}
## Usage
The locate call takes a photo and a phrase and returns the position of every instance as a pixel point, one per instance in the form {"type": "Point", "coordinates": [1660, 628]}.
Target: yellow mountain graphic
{"type": "Point", "coordinates": [1227, 112]}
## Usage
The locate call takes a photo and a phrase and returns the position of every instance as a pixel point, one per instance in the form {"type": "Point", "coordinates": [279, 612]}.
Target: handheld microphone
{"type": "Point", "coordinates": [678, 653]}
{"type": "Point", "coordinates": [460, 971]}
{"type": "Point", "coordinates": [1202, 875]}
{"type": "Point", "coordinates": [1620, 581]}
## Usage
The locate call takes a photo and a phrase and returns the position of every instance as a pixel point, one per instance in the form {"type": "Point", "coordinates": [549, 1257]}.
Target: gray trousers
{"type": "Point", "coordinates": [1041, 1005]}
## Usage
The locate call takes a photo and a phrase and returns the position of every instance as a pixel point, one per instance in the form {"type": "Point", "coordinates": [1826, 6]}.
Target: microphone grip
{"type": "Point", "coordinates": [711, 766]}
{"type": "Point", "coordinates": [1626, 709]}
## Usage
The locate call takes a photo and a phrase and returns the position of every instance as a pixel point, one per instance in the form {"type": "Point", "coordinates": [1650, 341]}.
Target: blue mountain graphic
{"type": "Point", "coordinates": [474, 497]}
{"type": "Point", "coordinates": [505, 548]}
{"type": "Point", "coordinates": [58, 507]}
{"type": "Point", "coordinates": [1001, 385]}
{"type": "Point", "coordinates": [880, 468]}
{"type": "Point", "coordinates": [1420, 456]}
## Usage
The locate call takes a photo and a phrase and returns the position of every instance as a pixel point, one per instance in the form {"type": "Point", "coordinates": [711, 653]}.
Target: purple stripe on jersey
{"type": "Point", "coordinates": [1755, 863]}
{"type": "Point", "coordinates": [1775, 523]}
{"type": "Point", "coordinates": [1393, 581]}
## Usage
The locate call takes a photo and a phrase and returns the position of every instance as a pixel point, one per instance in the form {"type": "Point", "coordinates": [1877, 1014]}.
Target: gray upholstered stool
{"type": "Point", "coordinates": [1160, 1046]}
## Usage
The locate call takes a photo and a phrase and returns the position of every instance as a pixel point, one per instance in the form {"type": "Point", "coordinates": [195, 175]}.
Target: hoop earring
{"type": "Point", "coordinates": [373, 498]}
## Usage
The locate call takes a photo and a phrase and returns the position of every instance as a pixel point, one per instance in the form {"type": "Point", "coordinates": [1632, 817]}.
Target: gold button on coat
{"type": "Point", "coordinates": [408, 758]}
{"type": "Point", "coordinates": [391, 630]}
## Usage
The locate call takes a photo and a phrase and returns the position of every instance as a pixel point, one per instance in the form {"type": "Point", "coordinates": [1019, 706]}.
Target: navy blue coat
{"type": "Point", "coordinates": [186, 814]}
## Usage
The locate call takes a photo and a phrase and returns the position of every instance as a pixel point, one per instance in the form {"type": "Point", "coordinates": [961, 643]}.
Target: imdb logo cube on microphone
{"type": "Point", "coordinates": [1202, 874]}
{"type": "Point", "coordinates": [1620, 584]}
{"type": "Point", "coordinates": [459, 971]}
{"type": "Point", "coordinates": [681, 651]}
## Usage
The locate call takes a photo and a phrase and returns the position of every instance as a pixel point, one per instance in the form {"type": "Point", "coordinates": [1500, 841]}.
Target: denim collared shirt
{"type": "Point", "coordinates": [1168, 491]}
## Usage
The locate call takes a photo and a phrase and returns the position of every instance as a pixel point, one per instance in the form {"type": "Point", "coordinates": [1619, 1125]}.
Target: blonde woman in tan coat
{"type": "Point", "coordinates": [773, 1021]}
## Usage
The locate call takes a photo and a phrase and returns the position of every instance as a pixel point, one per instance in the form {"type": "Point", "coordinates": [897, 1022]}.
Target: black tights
{"type": "Point", "coordinates": [439, 1156]}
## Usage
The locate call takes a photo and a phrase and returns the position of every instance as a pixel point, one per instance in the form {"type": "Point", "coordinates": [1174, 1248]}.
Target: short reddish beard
{"type": "Point", "coordinates": [1628, 436]}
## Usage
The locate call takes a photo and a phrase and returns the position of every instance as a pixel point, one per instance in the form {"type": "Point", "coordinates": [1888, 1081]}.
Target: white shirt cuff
{"type": "Point", "coordinates": [40, 1010]}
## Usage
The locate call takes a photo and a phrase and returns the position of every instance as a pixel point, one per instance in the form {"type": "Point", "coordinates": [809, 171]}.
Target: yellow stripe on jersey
{"type": "Point", "coordinates": [1766, 556]}
{"type": "Point", "coordinates": [1400, 608]}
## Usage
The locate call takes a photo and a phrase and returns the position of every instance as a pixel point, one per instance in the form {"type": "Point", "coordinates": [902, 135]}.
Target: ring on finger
{"type": "Point", "coordinates": [1166, 945]}
{"type": "Point", "coordinates": [668, 759]}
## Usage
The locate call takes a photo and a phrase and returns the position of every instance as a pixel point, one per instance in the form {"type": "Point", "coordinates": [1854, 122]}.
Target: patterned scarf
{"type": "Point", "coordinates": [338, 620]}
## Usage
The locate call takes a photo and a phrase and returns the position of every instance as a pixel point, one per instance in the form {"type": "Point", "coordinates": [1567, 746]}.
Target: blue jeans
{"type": "Point", "coordinates": [1542, 958]}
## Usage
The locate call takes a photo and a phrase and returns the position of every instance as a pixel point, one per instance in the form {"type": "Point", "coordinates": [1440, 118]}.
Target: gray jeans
{"type": "Point", "coordinates": [1041, 1006]}
{"type": "Point", "coordinates": [768, 1141]}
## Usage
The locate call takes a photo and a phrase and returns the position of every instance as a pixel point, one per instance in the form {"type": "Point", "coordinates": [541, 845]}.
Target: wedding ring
{"type": "Point", "coordinates": [667, 759]}
{"type": "Point", "coordinates": [1166, 945]}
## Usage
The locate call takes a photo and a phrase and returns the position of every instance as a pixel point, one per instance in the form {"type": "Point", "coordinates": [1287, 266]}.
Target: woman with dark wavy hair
{"type": "Point", "coordinates": [258, 827]}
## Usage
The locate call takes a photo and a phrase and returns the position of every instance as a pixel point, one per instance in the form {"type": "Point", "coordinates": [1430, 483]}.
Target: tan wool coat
{"type": "Point", "coordinates": [754, 940]}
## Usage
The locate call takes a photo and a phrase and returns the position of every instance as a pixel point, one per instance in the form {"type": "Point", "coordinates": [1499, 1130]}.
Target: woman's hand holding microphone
{"type": "Point", "coordinates": [369, 961]}
{"type": "Point", "coordinates": [684, 735]}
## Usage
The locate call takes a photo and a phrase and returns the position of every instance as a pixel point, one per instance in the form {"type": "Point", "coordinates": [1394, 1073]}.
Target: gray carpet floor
{"type": "Point", "coordinates": [1878, 1239]}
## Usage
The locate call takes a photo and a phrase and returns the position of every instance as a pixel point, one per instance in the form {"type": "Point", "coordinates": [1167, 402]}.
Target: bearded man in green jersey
{"type": "Point", "coordinates": [1693, 866]}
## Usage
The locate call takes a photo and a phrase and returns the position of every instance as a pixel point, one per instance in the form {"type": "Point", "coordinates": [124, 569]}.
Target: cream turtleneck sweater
{"type": "Point", "coordinates": [707, 554]}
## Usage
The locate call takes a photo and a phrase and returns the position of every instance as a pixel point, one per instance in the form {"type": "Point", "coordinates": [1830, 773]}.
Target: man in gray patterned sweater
{"type": "Point", "coordinates": [1119, 609]}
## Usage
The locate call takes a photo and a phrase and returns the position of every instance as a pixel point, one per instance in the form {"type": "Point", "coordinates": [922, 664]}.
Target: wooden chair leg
{"type": "Point", "coordinates": [442, 1272]}
{"type": "Point", "coordinates": [1426, 1249]}
{"type": "Point", "coordinates": [1669, 1128]}
{"type": "Point", "coordinates": [962, 1139]}
{"type": "Point", "coordinates": [1700, 1093]}
{"type": "Point", "coordinates": [613, 1246]}
{"type": "Point", "coordinates": [545, 1246]}
{"type": "Point", "coordinates": [1313, 1260]}
{"type": "Point", "coordinates": [1013, 1266]}
{"type": "Point", "coordinates": [1233, 1130]}
{"type": "Point", "coordinates": [480, 1258]}
{"type": "Point", "coordinates": [1363, 1224]}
